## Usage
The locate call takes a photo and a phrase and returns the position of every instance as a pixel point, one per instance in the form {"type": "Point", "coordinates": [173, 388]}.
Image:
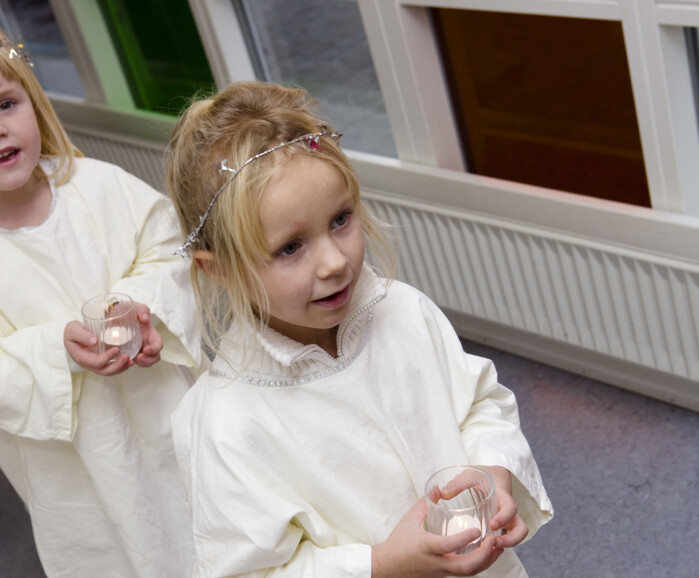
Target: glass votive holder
{"type": "Point", "coordinates": [460, 498]}
{"type": "Point", "coordinates": [112, 318]}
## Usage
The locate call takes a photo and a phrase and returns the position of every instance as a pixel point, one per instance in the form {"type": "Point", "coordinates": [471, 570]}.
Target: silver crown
{"type": "Point", "coordinates": [313, 141]}
{"type": "Point", "coordinates": [16, 50]}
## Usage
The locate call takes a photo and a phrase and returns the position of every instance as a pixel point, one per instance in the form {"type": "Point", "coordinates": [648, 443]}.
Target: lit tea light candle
{"type": "Point", "coordinates": [116, 336]}
{"type": "Point", "coordinates": [460, 523]}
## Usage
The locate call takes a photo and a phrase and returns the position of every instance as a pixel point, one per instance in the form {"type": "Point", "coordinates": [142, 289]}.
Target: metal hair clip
{"type": "Point", "coordinates": [313, 141]}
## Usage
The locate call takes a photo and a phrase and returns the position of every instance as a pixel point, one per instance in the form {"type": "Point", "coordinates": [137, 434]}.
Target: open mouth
{"type": "Point", "coordinates": [334, 300]}
{"type": "Point", "coordinates": [8, 154]}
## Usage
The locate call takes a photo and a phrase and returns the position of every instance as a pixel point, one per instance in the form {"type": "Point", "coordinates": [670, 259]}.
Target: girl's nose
{"type": "Point", "coordinates": [331, 259]}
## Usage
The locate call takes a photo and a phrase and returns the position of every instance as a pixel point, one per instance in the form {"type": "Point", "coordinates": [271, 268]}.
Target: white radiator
{"type": "Point", "coordinates": [622, 316]}
{"type": "Point", "coordinates": [625, 317]}
{"type": "Point", "coordinates": [143, 159]}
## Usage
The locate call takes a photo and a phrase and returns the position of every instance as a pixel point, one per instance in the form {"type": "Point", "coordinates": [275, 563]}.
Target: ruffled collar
{"type": "Point", "coordinates": [273, 359]}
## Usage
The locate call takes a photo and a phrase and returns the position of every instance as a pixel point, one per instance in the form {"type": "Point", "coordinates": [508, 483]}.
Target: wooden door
{"type": "Point", "coordinates": [545, 101]}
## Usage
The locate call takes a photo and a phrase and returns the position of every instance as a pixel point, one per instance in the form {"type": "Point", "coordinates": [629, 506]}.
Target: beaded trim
{"type": "Point", "coordinates": [308, 378]}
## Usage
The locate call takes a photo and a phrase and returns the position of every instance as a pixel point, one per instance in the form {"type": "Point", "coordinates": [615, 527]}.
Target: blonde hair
{"type": "Point", "coordinates": [55, 142]}
{"type": "Point", "coordinates": [234, 125]}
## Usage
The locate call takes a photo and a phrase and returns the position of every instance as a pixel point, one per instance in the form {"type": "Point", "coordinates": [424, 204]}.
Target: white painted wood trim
{"type": "Point", "coordinates": [658, 65]}
{"type": "Point", "coordinates": [664, 235]}
{"type": "Point", "coordinates": [597, 9]}
{"type": "Point", "coordinates": [142, 125]}
{"type": "Point", "coordinates": [223, 40]}
{"type": "Point", "coordinates": [386, 43]}
{"type": "Point", "coordinates": [432, 88]}
{"type": "Point", "coordinates": [630, 376]}
{"type": "Point", "coordinates": [90, 44]}
{"type": "Point", "coordinates": [644, 62]}
{"type": "Point", "coordinates": [683, 127]}
{"type": "Point", "coordinates": [78, 50]}
{"type": "Point", "coordinates": [653, 64]}
{"type": "Point", "coordinates": [677, 4]}
{"type": "Point", "coordinates": [678, 15]}
{"type": "Point", "coordinates": [409, 71]}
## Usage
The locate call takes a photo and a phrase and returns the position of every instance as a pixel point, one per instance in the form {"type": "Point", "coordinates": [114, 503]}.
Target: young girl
{"type": "Point", "coordinates": [334, 395]}
{"type": "Point", "coordinates": [85, 438]}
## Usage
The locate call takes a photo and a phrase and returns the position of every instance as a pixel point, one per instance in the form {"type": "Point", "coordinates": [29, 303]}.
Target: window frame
{"type": "Point", "coordinates": [416, 97]}
{"type": "Point", "coordinates": [660, 77]}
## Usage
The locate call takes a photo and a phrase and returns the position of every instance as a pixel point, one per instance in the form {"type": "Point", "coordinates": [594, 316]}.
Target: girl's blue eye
{"type": "Point", "coordinates": [288, 250]}
{"type": "Point", "coordinates": [342, 219]}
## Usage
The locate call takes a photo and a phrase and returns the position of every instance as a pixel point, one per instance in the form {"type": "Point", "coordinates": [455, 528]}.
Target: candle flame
{"type": "Point", "coordinates": [460, 523]}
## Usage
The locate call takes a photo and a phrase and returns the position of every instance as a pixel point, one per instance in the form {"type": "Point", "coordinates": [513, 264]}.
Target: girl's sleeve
{"type": "Point", "coordinates": [36, 384]}
{"type": "Point", "coordinates": [158, 278]}
{"type": "Point", "coordinates": [488, 419]}
{"type": "Point", "coordinates": [247, 520]}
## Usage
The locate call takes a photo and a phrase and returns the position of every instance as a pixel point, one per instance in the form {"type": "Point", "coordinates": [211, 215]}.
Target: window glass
{"type": "Point", "coordinates": [320, 45]}
{"type": "Point", "coordinates": [160, 51]}
{"type": "Point", "coordinates": [545, 100]}
{"type": "Point", "coordinates": [33, 23]}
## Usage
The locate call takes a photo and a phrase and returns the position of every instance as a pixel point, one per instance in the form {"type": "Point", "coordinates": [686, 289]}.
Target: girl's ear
{"type": "Point", "coordinates": [206, 262]}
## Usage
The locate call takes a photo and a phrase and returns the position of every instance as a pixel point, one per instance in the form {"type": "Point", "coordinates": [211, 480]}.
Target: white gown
{"type": "Point", "coordinates": [299, 463]}
{"type": "Point", "coordinates": [92, 457]}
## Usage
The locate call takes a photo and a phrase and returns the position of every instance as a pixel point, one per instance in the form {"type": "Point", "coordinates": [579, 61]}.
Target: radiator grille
{"type": "Point", "coordinates": [628, 306]}
{"type": "Point", "coordinates": [144, 160]}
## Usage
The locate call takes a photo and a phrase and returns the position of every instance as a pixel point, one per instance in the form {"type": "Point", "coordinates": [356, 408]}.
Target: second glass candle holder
{"type": "Point", "coordinates": [112, 318]}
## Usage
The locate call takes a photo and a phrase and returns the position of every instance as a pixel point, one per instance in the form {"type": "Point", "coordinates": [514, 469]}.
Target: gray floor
{"type": "Point", "coordinates": [621, 471]}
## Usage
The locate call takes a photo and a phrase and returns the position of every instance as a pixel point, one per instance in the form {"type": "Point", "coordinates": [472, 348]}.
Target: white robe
{"type": "Point", "coordinates": [300, 463]}
{"type": "Point", "coordinates": [92, 457]}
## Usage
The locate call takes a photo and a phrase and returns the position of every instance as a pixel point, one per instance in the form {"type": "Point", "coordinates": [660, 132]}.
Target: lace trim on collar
{"type": "Point", "coordinates": [275, 360]}
{"type": "Point", "coordinates": [339, 366]}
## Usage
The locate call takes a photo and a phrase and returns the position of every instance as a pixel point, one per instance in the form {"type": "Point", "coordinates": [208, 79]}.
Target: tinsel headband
{"type": "Point", "coordinates": [312, 140]}
{"type": "Point", "coordinates": [15, 50]}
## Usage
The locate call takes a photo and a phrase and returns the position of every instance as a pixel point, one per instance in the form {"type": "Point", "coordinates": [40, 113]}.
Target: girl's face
{"type": "Point", "coordinates": [20, 141]}
{"type": "Point", "coordinates": [317, 249]}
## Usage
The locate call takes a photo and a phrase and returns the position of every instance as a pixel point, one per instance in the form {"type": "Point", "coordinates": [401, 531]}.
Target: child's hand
{"type": "Point", "coordinates": [78, 341]}
{"type": "Point", "coordinates": [411, 552]}
{"type": "Point", "coordinates": [514, 530]}
{"type": "Point", "coordinates": [152, 342]}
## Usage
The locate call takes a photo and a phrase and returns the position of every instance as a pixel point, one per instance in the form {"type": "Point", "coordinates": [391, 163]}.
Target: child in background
{"type": "Point", "coordinates": [334, 394]}
{"type": "Point", "coordinates": [85, 438]}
